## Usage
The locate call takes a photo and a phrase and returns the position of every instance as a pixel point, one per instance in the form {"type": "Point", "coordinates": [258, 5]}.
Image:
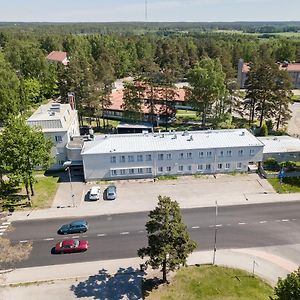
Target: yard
{"type": "Point", "coordinates": [207, 282]}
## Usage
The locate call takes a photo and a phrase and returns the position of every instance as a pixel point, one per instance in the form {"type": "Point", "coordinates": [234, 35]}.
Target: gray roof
{"type": "Point", "coordinates": [280, 144]}
{"type": "Point", "coordinates": [166, 141]}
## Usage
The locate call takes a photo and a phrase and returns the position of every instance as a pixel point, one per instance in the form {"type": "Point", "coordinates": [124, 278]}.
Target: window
{"type": "Point", "coordinates": [160, 169]}
{"type": "Point", "coordinates": [200, 168]}
{"type": "Point", "coordinates": [240, 153]}
{"type": "Point", "coordinates": [221, 153]}
{"type": "Point", "coordinates": [189, 168]}
{"type": "Point", "coordinates": [180, 155]}
{"type": "Point", "coordinates": [58, 138]}
{"type": "Point", "coordinates": [148, 170]}
{"type": "Point", "coordinates": [239, 165]}
{"type": "Point", "coordinates": [160, 157]}
{"type": "Point", "coordinates": [220, 166]}
{"type": "Point", "coordinates": [131, 171]}
{"type": "Point", "coordinates": [208, 154]}
{"type": "Point", "coordinates": [227, 166]}
{"type": "Point", "coordinates": [180, 168]}
{"type": "Point", "coordinates": [113, 172]}
{"type": "Point", "coordinates": [207, 167]}
{"type": "Point", "coordinates": [122, 158]}
{"type": "Point", "coordinates": [122, 171]}
{"type": "Point", "coordinates": [148, 157]}
{"type": "Point", "coordinates": [140, 171]}
{"type": "Point", "coordinates": [201, 154]}
{"type": "Point", "coordinates": [189, 155]}
{"type": "Point", "coordinates": [251, 152]}
{"type": "Point", "coordinates": [140, 157]}
{"type": "Point", "coordinates": [113, 159]}
{"type": "Point", "coordinates": [169, 156]}
{"type": "Point", "coordinates": [130, 158]}
{"type": "Point", "coordinates": [229, 153]}
{"type": "Point", "coordinates": [169, 169]}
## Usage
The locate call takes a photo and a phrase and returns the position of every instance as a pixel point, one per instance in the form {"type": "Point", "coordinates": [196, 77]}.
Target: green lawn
{"type": "Point", "coordinates": [208, 282]}
{"type": "Point", "coordinates": [289, 185]}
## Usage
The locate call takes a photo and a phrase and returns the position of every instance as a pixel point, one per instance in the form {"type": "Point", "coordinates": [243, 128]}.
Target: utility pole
{"type": "Point", "coordinates": [216, 229]}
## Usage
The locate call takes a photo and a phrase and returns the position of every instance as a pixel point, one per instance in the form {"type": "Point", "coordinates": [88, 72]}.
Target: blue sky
{"type": "Point", "coordinates": [158, 10]}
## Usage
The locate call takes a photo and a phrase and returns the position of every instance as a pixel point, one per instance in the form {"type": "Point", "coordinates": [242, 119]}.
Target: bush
{"type": "Point", "coordinates": [271, 164]}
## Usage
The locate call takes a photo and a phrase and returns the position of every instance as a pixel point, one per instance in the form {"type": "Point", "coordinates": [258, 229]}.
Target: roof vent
{"type": "Point", "coordinates": [190, 138]}
{"type": "Point", "coordinates": [242, 133]}
{"type": "Point", "coordinates": [163, 135]}
{"type": "Point", "coordinates": [174, 136]}
{"type": "Point", "coordinates": [51, 113]}
{"type": "Point", "coordinates": [185, 133]}
{"type": "Point", "coordinates": [55, 107]}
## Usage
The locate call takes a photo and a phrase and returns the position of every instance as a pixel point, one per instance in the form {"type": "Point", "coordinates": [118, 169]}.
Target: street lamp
{"type": "Point", "coordinates": [216, 229]}
{"type": "Point", "coordinates": [67, 167]}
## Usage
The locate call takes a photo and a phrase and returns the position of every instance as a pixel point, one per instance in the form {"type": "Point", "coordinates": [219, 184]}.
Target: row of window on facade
{"type": "Point", "coordinates": [200, 168]}
{"type": "Point", "coordinates": [182, 155]}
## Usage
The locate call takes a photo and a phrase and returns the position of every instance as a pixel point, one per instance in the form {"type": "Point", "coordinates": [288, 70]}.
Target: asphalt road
{"type": "Point", "coordinates": [119, 236]}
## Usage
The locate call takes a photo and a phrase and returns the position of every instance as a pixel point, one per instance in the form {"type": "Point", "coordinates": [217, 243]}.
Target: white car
{"type": "Point", "coordinates": [94, 193]}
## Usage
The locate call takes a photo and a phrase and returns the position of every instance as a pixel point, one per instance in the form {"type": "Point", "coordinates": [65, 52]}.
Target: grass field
{"type": "Point", "coordinates": [289, 185]}
{"type": "Point", "coordinates": [208, 282]}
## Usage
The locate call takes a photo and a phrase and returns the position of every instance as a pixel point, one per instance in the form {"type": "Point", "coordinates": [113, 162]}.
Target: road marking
{"type": "Point", "coordinates": [228, 224]}
{"type": "Point", "coordinates": [101, 234]}
{"type": "Point", "coordinates": [25, 241]}
{"type": "Point", "coordinates": [284, 220]}
{"type": "Point", "coordinates": [219, 225]}
{"type": "Point", "coordinates": [278, 221]}
{"type": "Point", "coordinates": [5, 226]}
{"type": "Point", "coordinates": [6, 223]}
{"type": "Point", "coordinates": [49, 239]}
{"type": "Point", "coordinates": [84, 236]}
{"type": "Point", "coordinates": [263, 222]}
{"type": "Point", "coordinates": [2, 229]}
{"type": "Point", "coordinates": [294, 219]}
{"type": "Point", "coordinates": [195, 227]}
{"type": "Point", "coordinates": [141, 231]}
{"type": "Point", "coordinates": [124, 233]}
{"type": "Point", "coordinates": [242, 223]}
{"type": "Point", "coordinates": [1, 233]}
{"type": "Point", "coordinates": [75, 237]}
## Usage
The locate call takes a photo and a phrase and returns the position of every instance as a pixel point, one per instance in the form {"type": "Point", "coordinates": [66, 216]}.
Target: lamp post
{"type": "Point", "coordinates": [216, 229]}
{"type": "Point", "coordinates": [67, 165]}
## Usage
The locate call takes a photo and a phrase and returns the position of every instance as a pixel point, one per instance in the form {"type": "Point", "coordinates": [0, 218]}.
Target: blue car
{"type": "Point", "coordinates": [74, 227]}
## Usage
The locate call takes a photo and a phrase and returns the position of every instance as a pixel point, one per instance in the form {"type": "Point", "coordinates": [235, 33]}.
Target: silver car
{"type": "Point", "coordinates": [111, 192]}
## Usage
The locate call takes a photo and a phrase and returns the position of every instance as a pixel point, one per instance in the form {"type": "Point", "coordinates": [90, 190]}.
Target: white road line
{"type": "Point", "coordinates": [219, 225]}
{"type": "Point", "coordinates": [294, 219]}
{"type": "Point", "coordinates": [84, 236]}
{"type": "Point", "coordinates": [124, 233]}
{"type": "Point", "coordinates": [25, 241]}
{"type": "Point", "coordinates": [5, 226]}
{"type": "Point", "coordinates": [278, 221]}
{"type": "Point", "coordinates": [75, 237]}
{"type": "Point", "coordinates": [242, 223]}
{"type": "Point", "coordinates": [141, 231]}
{"type": "Point", "coordinates": [284, 220]}
{"type": "Point", "coordinates": [195, 227]}
{"type": "Point", "coordinates": [1, 233]}
{"type": "Point", "coordinates": [101, 234]}
{"type": "Point", "coordinates": [262, 222]}
{"type": "Point", "coordinates": [6, 223]}
{"type": "Point", "coordinates": [2, 229]}
{"type": "Point", "coordinates": [49, 239]}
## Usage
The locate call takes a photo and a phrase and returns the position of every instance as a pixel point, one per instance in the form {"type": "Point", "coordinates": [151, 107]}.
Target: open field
{"type": "Point", "coordinates": [208, 282]}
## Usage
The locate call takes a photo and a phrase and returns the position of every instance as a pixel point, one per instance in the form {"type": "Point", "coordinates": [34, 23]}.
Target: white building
{"type": "Point", "coordinates": [60, 123]}
{"type": "Point", "coordinates": [281, 148]}
{"type": "Point", "coordinates": [173, 153]}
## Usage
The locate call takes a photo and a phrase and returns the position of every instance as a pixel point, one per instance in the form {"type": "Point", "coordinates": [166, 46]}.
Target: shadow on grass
{"type": "Point", "coordinates": [150, 284]}
{"type": "Point", "coordinates": [126, 283]}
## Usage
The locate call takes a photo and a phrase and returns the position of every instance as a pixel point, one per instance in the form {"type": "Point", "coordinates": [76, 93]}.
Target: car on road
{"type": "Point", "coordinates": [71, 246]}
{"type": "Point", "coordinates": [74, 227]}
{"type": "Point", "coordinates": [94, 193]}
{"type": "Point", "coordinates": [111, 192]}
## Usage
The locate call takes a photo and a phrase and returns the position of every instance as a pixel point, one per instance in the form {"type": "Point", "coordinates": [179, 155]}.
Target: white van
{"type": "Point", "coordinates": [94, 193]}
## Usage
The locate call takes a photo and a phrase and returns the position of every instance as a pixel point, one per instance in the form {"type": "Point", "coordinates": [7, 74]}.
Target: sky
{"type": "Point", "coordinates": [158, 10]}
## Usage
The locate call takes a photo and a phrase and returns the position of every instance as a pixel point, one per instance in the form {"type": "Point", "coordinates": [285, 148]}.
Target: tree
{"type": "Point", "coordinates": [288, 288]}
{"type": "Point", "coordinates": [13, 253]}
{"type": "Point", "coordinates": [169, 243]}
{"type": "Point", "coordinates": [207, 88]}
{"type": "Point", "coordinates": [22, 150]}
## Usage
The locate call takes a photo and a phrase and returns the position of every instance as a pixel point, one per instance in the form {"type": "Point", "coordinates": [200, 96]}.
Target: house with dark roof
{"type": "Point", "coordinates": [293, 70]}
{"type": "Point", "coordinates": [58, 56]}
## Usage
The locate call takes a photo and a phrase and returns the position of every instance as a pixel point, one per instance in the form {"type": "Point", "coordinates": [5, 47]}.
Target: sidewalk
{"type": "Point", "coordinates": [121, 279]}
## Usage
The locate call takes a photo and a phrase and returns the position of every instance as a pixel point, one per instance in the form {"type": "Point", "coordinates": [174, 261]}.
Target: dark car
{"type": "Point", "coordinates": [71, 246]}
{"type": "Point", "coordinates": [111, 192]}
{"type": "Point", "coordinates": [74, 227]}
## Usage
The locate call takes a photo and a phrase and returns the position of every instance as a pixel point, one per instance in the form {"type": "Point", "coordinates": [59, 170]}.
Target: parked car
{"type": "Point", "coordinates": [111, 192]}
{"type": "Point", "coordinates": [94, 193]}
{"type": "Point", "coordinates": [74, 227]}
{"type": "Point", "coordinates": [71, 246]}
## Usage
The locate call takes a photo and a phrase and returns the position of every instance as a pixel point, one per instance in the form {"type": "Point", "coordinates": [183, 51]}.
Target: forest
{"type": "Point", "coordinates": [156, 54]}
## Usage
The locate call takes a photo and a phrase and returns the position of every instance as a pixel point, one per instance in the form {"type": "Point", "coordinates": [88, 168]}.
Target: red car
{"type": "Point", "coordinates": [71, 246]}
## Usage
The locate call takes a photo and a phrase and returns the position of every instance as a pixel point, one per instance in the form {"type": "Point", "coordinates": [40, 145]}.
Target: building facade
{"type": "Point", "coordinates": [149, 155]}
{"type": "Point", "coordinates": [60, 123]}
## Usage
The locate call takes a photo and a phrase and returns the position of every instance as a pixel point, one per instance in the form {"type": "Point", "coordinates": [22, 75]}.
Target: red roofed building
{"type": "Point", "coordinates": [58, 56]}
{"type": "Point", "coordinates": [293, 70]}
